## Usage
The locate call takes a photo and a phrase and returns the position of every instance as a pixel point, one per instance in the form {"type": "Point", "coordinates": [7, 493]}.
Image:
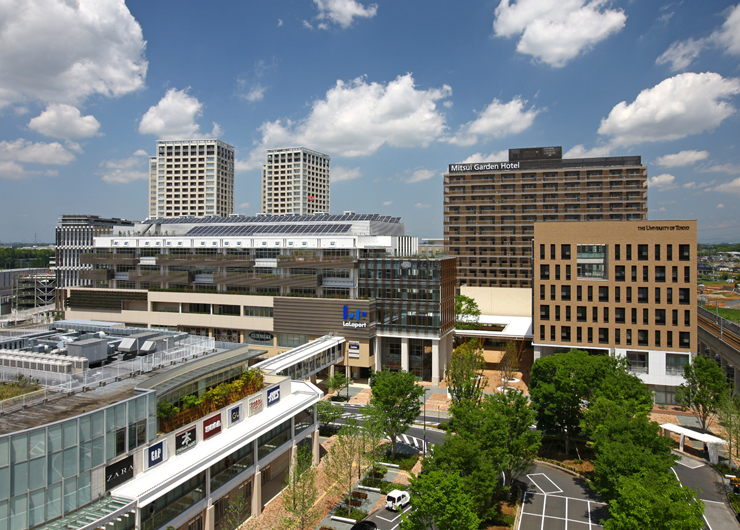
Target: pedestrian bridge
{"type": "Point", "coordinates": [306, 360]}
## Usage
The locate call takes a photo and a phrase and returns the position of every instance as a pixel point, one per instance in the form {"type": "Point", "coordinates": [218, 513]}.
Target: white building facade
{"type": "Point", "coordinates": [295, 180]}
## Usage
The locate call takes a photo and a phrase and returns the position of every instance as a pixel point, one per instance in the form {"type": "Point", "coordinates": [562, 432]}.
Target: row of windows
{"type": "Point", "coordinates": [643, 294]}
{"type": "Point", "coordinates": [597, 270]}
{"type": "Point", "coordinates": [684, 251]}
{"type": "Point", "coordinates": [620, 315]}
{"type": "Point", "coordinates": [642, 336]}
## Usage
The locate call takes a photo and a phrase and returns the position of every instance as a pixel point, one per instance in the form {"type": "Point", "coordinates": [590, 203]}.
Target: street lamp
{"type": "Point", "coordinates": [423, 406]}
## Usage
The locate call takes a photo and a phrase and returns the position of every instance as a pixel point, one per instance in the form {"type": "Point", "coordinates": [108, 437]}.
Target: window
{"type": "Point", "coordinates": [642, 295]}
{"type": "Point", "coordinates": [557, 313]}
{"type": "Point", "coordinates": [590, 335]}
{"type": "Point", "coordinates": [617, 336]}
{"type": "Point", "coordinates": [674, 364]}
{"type": "Point", "coordinates": [660, 273]}
{"type": "Point", "coordinates": [542, 292]}
{"type": "Point", "coordinates": [619, 273]}
{"type": "Point", "coordinates": [579, 334]}
{"type": "Point", "coordinates": [291, 340]}
{"type": "Point", "coordinates": [617, 252]}
{"type": "Point", "coordinates": [603, 335]}
{"type": "Point", "coordinates": [557, 272]}
{"type": "Point", "coordinates": [552, 333]}
{"type": "Point", "coordinates": [564, 251]}
{"type": "Point", "coordinates": [617, 294]}
{"type": "Point", "coordinates": [642, 252]}
{"type": "Point", "coordinates": [687, 274]}
{"type": "Point", "coordinates": [591, 261]}
{"type": "Point", "coordinates": [619, 315]}
{"type": "Point", "coordinates": [567, 313]}
{"type": "Point", "coordinates": [579, 293]}
{"type": "Point", "coordinates": [581, 313]}
{"type": "Point", "coordinates": [669, 295]}
{"type": "Point", "coordinates": [565, 293]}
{"type": "Point", "coordinates": [669, 339]}
{"type": "Point", "coordinates": [629, 252]}
{"type": "Point", "coordinates": [603, 294]}
{"type": "Point", "coordinates": [675, 274]}
{"type": "Point", "coordinates": [634, 315]}
{"type": "Point", "coordinates": [684, 296]}
{"type": "Point", "coordinates": [594, 314]}
{"type": "Point", "coordinates": [660, 317]}
{"type": "Point", "coordinates": [606, 315]}
{"type": "Point", "coordinates": [657, 337]}
{"type": "Point", "coordinates": [642, 337]}
{"type": "Point", "coordinates": [634, 273]}
{"type": "Point", "coordinates": [687, 318]}
{"type": "Point", "coordinates": [552, 251]}
{"type": "Point", "coordinates": [657, 295]}
{"type": "Point", "coordinates": [565, 333]}
{"type": "Point", "coordinates": [645, 316]}
{"type": "Point", "coordinates": [669, 252]}
{"type": "Point", "coordinates": [542, 253]}
{"type": "Point", "coordinates": [657, 252]}
{"type": "Point", "coordinates": [552, 292]}
{"type": "Point", "coordinates": [544, 272]}
{"type": "Point", "coordinates": [629, 295]}
{"type": "Point", "coordinates": [638, 362]}
{"type": "Point", "coordinates": [590, 293]}
{"type": "Point", "coordinates": [675, 317]}
{"type": "Point", "coordinates": [544, 312]}
{"type": "Point", "coordinates": [567, 272]}
{"type": "Point", "coordinates": [684, 252]}
{"type": "Point", "coordinates": [684, 339]}
{"type": "Point", "coordinates": [628, 337]}
{"type": "Point", "coordinates": [542, 331]}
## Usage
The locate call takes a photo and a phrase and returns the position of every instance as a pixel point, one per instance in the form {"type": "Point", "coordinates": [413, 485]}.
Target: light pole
{"type": "Point", "coordinates": [424, 407]}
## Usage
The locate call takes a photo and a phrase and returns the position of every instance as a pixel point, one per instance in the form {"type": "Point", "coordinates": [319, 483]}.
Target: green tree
{"type": "Point", "coordinates": [561, 385]}
{"type": "Point", "coordinates": [467, 313]}
{"type": "Point", "coordinates": [370, 442]}
{"type": "Point", "coordinates": [339, 464]}
{"type": "Point", "coordinates": [440, 501]}
{"type": "Point", "coordinates": [728, 414]}
{"type": "Point", "coordinates": [702, 392]}
{"type": "Point", "coordinates": [509, 362]}
{"type": "Point", "coordinates": [238, 509]}
{"type": "Point", "coordinates": [328, 412]}
{"type": "Point", "coordinates": [300, 493]}
{"type": "Point", "coordinates": [619, 393]}
{"type": "Point", "coordinates": [337, 382]}
{"type": "Point", "coordinates": [626, 446]}
{"type": "Point", "coordinates": [464, 375]}
{"type": "Point", "coordinates": [657, 502]}
{"type": "Point", "coordinates": [395, 402]}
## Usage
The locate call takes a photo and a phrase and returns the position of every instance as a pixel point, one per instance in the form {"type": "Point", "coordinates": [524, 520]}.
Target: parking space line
{"type": "Point", "coordinates": [538, 486]}
{"type": "Point", "coordinates": [544, 509]}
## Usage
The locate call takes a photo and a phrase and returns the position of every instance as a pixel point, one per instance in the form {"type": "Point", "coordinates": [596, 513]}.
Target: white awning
{"type": "Point", "coordinates": [514, 328]}
{"type": "Point", "coordinates": [707, 438]}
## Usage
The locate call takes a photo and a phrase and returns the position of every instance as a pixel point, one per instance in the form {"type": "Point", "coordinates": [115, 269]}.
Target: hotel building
{"type": "Point", "coordinates": [490, 209]}
{"type": "Point", "coordinates": [626, 289]}
{"type": "Point", "coordinates": [191, 177]}
{"type": "Point", "coordinates": [295, 181]}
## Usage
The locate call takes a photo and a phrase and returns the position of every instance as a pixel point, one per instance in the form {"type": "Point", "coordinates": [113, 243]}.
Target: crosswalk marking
{"type": "Point", "coordinates": [411, 441]}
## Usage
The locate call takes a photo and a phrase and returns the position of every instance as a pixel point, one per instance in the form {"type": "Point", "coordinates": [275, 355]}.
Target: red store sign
{"type": "Point", "coordinates": [211, 426]}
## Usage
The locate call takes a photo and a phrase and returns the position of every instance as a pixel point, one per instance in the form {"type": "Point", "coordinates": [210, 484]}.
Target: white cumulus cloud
{"type": "Point", "coordinates": [497, 120]}
{"type": "Point", "coordinates": [556, 31]}
{"type": "Point", "coordinates": [125, 170]}
{"type": "Point", "coordinates": [580, 151]}
{"type": "Point", "coordinates": [339, 173]}
{"type": "Point", "coordinates": [174, 118]}
{"type": "Point", "coordinates": [64, 121]}
{"type": "Point", "coordinates": [732, 186]}
{"type": "Point", "coordinates": [720, 206]}
{"type": "Point", "coordinates": [62, 51]}
{"type": "Point", "coordinates": [244, 205]}
{"type": "Point", "coordinates": [421, 175]}
{"type": "Point", "coordinates": [387, 203]}
{"type": "Point", "coordinates": [681, 54]}
{"type": "Point", "coordinates": [684, 158]}
{"type": "Point", "coordinates": [421, 205]}
{"type": "Point", "coordinates": [688, 103]}
{"type": "Point", "coordinates": [35, 153]}
{"type": "Point", "coordinates": [357, 118]}
{"type": "Point", "coordinates": [342, 12]}
{"type": "Point", "coordinates": [662, 182]}
{"type": "Point", "coordinates": [496, 156]}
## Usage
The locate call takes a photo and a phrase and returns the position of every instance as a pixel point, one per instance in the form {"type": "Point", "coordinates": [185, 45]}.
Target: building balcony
{"type": "Point", "coordinates": [96, 274]}
{"type": "Point", "coordinates": [189, 260]}
{"type": "Point", "coordinates": [108, 258]}
{"type": "Point", "coordinates": [267, 280]}
{"type": "Point", "coordinates": [317, 262]}
{"type": "Point", "coordinates": [158, 277]}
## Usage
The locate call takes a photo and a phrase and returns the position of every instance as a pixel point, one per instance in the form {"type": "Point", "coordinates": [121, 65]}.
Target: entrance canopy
{"type": "Point", "coordinates": [711, 441]}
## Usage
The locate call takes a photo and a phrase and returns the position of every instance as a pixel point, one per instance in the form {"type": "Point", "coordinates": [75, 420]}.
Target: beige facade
{"type": "Point", "coordinates": [625, 288]}
{"type": "Point", "coordinates": [295, 181]}
{"type": "Point", "coordinates": [500, 300]}
{"type": "Point", "coordinates": [490, 208]}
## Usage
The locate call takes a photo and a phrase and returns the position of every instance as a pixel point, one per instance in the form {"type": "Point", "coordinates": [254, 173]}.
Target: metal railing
{"type": "Point", "coordinates": [26, 400]}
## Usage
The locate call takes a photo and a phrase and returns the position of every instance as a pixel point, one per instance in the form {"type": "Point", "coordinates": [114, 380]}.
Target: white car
{"type": "Point", "coordinates": [396, 500]}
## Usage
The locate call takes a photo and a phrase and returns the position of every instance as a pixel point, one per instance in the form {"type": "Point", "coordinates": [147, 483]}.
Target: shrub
{"type": "Point", "coordinates": [443, 426]}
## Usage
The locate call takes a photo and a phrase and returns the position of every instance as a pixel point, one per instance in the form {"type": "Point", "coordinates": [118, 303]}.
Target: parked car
{"type": "Point", "coordinates": [364, 525]}
{"type": "Point", "coordinates": [396, 500]}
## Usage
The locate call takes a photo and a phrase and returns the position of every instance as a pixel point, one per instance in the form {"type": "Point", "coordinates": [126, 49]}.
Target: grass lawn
{"type": "Point", "coordinates": [18, 388]}
{"type": "Point", "coordinates": [729, 314]}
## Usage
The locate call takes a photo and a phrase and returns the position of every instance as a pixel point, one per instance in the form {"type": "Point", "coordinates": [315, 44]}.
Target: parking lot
{"type": "Point", "coordinates": [555, 500]}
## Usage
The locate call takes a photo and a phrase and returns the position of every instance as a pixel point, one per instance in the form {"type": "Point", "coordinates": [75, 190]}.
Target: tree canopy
{"type": "Point", "coordinates": [467, 313]}
{"type": "Point", "coordinates": [464, 375]}
{"type": "Point", "coordinates": [440, 501]}
{"type": "Point", "coordinates": [395, 402]}
{"type": "Point", "coordinates": [703, 390]}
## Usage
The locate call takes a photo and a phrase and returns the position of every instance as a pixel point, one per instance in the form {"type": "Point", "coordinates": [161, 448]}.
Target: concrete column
{"type": "Point", "coordinates": [331, 371]}
{"type": "Point", "coordinates": [313, 379]}
{"type": "Point", "coordinates": [257, 494]}
{"type": "Point", "coordinates": [435, 362]}
{"type": "Point", "coordinates": [378, 356]}
{"type": "Point", "coordinates": [316, 447]}
{"type": "Point", "coordinates": [537, 353]}
{"type": "Point", "coordinates": [293, 456]}
{"type": "Point", "coordinates": [179, 307]}
{"type": "Point", "coordinates": [405, 354]}
{"type": "Point", "coordinates": [210, 517]}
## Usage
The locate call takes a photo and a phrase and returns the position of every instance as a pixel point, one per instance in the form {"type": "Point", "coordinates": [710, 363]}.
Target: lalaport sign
{"type": "Point", "coordinates": [352, 318]}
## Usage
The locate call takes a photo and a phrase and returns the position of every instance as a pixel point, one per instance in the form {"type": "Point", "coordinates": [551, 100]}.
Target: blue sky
{"type": "Point", "coordinates": [393, 91]}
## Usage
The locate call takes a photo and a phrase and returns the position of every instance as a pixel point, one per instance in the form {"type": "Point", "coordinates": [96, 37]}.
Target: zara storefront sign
{"type": "Point", "coordinates": [273, 396]}
{"type": "Point", "coordinates": [156, 454]}
{"type": "Point", "coordinates": [119, 472]}
{"type": "Point", "coordinates": [212, 426]}
{"type": "Point", "coordinates": [351, 318]}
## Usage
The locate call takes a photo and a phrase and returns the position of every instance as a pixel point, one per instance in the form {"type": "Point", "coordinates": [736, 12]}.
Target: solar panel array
{"type": "Point", "coordinates": [241, 219]}
{"type": "Point", "coordinates": [268, 230]}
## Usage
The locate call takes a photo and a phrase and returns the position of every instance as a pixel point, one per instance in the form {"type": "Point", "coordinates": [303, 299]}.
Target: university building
{"type": "Point", "coordinates": [278, 282]}
{"type": "Point", "coordinates": [490, 209]}
{"type": "Point", "coordinates": [626, 289]}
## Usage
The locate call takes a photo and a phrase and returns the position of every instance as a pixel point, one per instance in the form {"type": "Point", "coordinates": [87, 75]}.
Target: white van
{"type": "Point", "coordinates": [396, 500]}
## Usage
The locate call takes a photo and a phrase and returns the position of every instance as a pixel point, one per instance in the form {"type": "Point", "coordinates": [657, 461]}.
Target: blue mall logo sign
{"type": "Point", "coordinates": [352, 318]}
